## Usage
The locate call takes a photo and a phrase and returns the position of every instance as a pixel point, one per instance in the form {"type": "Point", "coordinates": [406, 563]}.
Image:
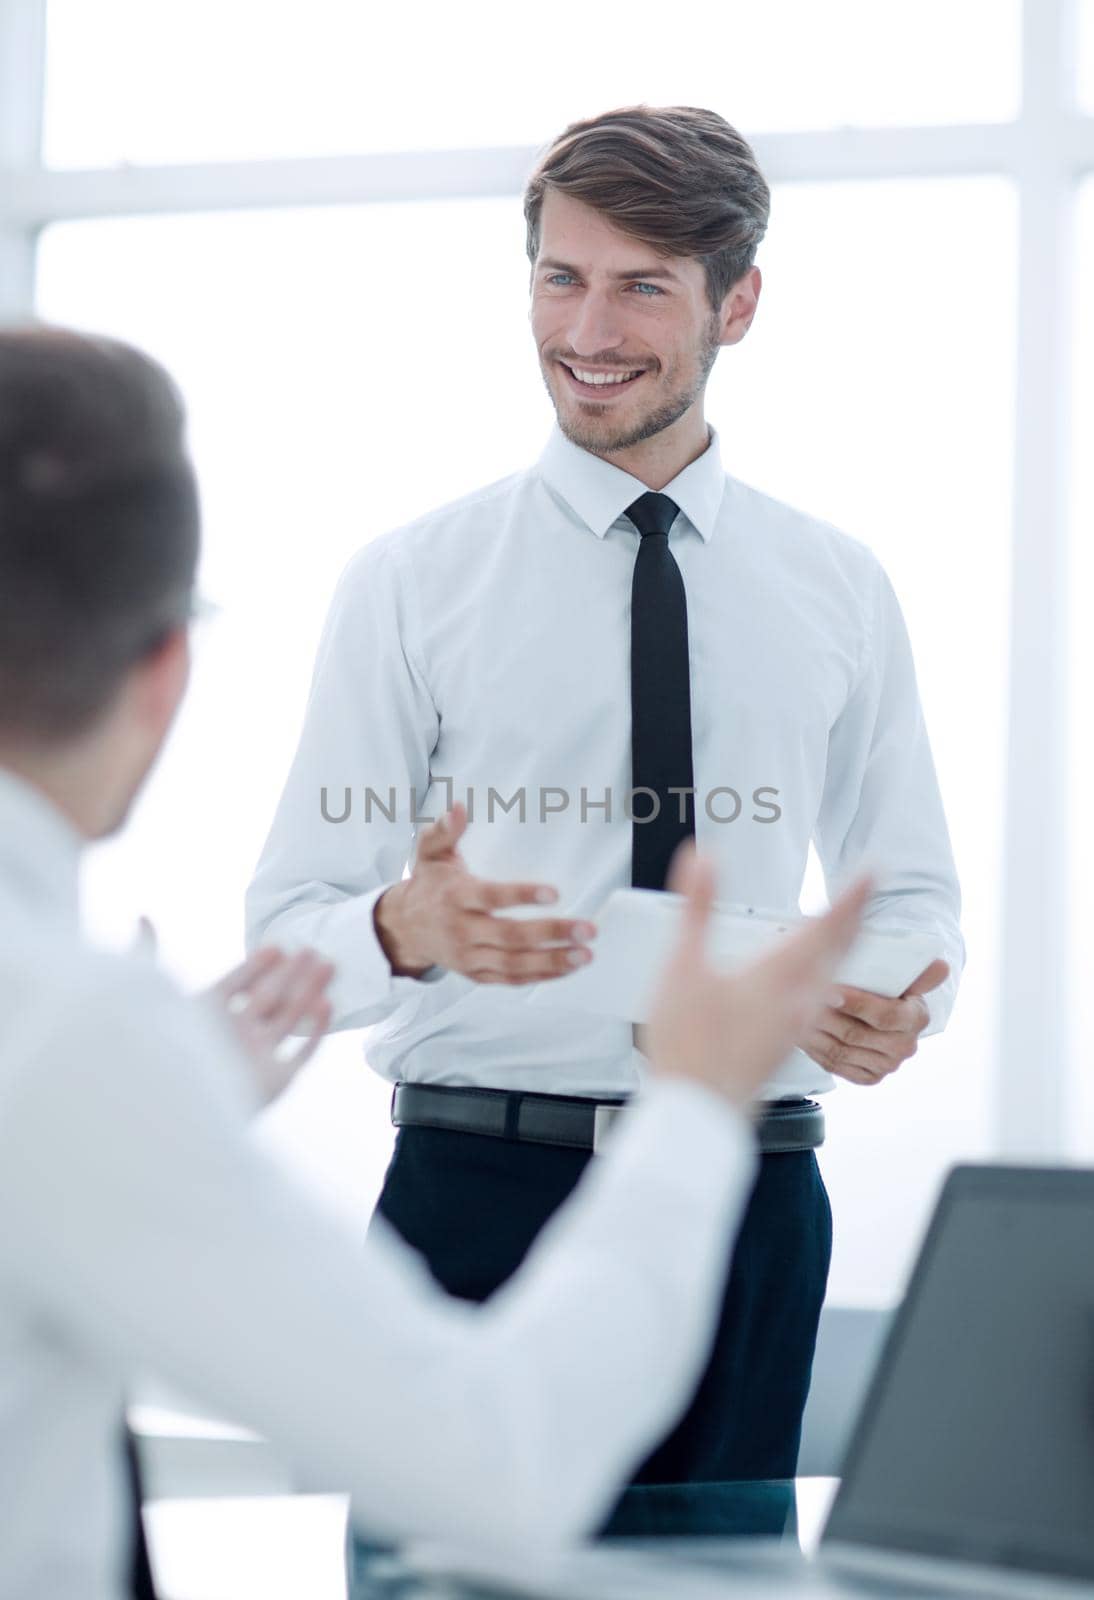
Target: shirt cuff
{"type": "Point", "coordinates": [940, 1001]}
{"type": "Point", "coordinates": [939, 1005]}
{"type": "Point", "coordinates": [363, 978]}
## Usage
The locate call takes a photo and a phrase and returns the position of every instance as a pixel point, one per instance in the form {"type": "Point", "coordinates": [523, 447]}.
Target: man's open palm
{"type": "Point", "coordinates": [730, 1032]}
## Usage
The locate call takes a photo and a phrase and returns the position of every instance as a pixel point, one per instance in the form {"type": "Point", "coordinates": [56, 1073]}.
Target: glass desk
{"type": "Point", "coordinates": [262, 1543]}
{"type": "Point", "coordinates": [648, 1518]}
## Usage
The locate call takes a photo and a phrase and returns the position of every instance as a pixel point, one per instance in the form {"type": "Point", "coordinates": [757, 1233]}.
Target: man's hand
{"type": "Point", "coordinates": [869, 1036]}
{"type": "Point", "coordinates": [267, 999]}
{"type": "Point", "coordinates": [730, 1032]}
{"type": "Point", "coordinates": [442, 916]}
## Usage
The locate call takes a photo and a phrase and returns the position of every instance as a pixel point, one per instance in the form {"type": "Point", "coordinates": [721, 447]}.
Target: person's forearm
{"type": "Point", "coordinates": [195, 1255]}
{"type": "Point", "coordinates": [882, 804]}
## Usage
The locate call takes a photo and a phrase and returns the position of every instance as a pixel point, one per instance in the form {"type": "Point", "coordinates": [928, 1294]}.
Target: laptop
{"type": "Point", "coordinates": [971, 1465]}
{"type": "Point", "coordinates": [972, 1461]}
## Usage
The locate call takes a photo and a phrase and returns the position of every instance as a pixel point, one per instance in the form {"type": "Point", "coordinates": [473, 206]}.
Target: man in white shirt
{"type": "Point", "coordinates": [482, 658]}
{"type": "Point", "coordinates": [142, 1227]}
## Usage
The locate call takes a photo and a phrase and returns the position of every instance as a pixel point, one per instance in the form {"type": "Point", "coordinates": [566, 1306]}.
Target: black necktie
{"type": "Point", "coordinates": [660, 697]}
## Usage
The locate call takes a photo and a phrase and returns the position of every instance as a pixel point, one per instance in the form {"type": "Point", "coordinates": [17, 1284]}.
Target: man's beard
{"type": "Point", "coordinates": [590, 435]}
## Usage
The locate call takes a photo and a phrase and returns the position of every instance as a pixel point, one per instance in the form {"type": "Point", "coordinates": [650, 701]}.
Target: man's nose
{"type": "Point", "coordinates": [596, 326]}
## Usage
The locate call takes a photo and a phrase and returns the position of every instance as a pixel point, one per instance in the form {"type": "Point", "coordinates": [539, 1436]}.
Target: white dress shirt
{"type": "Point", "coordinates": [143, 1229]}
{"type": "Point", "coordinates": [488, 644]}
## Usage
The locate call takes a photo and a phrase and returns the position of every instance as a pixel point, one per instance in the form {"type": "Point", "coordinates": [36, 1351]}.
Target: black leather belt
{"type": "Point", "coordinates": [570, 1120]}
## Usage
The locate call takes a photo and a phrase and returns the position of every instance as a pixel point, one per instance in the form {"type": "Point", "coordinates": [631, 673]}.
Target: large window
{"type": "Point", "coordinates": [201, 80]}
{"type": "Point", "coordinates": [341, 364]}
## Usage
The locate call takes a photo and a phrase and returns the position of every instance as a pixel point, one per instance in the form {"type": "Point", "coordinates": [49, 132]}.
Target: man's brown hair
{"type": "Point", "coordinates": [678, 178]}
{"type": "Point", "coordinates": [99, 525]}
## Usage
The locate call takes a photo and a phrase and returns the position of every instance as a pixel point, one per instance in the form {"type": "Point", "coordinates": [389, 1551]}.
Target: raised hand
{"type": "Point", "coordinates": [268, 999]}
{"type": "Point", "coordinates": [730, 1031]}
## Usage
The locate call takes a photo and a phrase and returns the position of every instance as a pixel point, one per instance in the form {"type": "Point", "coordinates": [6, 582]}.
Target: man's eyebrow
{"type": "Point", "coordinates": [549, 264]}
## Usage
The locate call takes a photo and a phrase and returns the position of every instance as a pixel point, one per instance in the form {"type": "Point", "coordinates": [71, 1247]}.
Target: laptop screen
{"type": "Point", "coordinates": [976, 1441]}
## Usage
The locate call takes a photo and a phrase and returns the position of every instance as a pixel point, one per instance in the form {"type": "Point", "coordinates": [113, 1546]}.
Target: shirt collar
{"type": "Point", "coordinates": [39, 849]}
{"type": "Point", "coordinates": [599, 493]}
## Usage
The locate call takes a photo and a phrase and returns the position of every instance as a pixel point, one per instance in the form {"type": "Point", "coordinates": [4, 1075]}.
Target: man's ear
{"type": "Point", "coordinates": [160, 679]}
{"type": "Point", "coordinates": [739, 307]}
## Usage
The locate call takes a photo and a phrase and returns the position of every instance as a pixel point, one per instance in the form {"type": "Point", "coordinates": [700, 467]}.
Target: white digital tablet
{"type": "Point", "coordinates": [636, 930]}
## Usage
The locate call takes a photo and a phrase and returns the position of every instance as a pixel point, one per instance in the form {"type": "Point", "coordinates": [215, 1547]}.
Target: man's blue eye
{"type": "Point", "coordinates": [555, 276]}
{"type": "Point", "coordinates": [651, 286]}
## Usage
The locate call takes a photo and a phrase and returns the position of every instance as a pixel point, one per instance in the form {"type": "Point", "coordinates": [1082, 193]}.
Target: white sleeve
{"type": "Point", "coordinates": [152, 1229]}
{"type": "Point", "coordinates": [370, 725]}
{"type": "Point", "coordinates": [881, 806]}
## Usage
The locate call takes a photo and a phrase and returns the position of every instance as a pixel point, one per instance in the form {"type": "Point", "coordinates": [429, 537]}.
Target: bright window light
{"type": "Point", "coordinates": [215, 80]}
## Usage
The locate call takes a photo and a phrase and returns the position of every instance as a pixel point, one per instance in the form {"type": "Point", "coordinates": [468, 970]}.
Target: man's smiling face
{"type": "Point", "coordinates": [626, 337]}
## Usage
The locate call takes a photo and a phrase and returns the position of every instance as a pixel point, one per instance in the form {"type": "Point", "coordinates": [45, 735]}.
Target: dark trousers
{"type": "Point", "coordinates": [472, 1205]}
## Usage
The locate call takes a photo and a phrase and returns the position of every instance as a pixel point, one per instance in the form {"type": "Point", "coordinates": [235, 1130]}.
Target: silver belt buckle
{"type": "Point", "coordinates": [603, 1117]}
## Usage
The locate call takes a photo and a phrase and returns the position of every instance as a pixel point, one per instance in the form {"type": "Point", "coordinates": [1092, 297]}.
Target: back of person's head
{"type": "Point", "coordinates": [99, 526]}
{"type": "Point", "coordinates": [679, 179]}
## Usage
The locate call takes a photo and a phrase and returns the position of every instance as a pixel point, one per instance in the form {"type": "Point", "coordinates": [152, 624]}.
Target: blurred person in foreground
{"type": "Point", "coordinates": [144, 1228]}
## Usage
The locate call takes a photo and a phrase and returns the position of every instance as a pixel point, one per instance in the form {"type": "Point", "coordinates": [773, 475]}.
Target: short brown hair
{"type": "Point", "coordinates": [676, 177]}
{"type": "Point", "coordinates": [99, 525]}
